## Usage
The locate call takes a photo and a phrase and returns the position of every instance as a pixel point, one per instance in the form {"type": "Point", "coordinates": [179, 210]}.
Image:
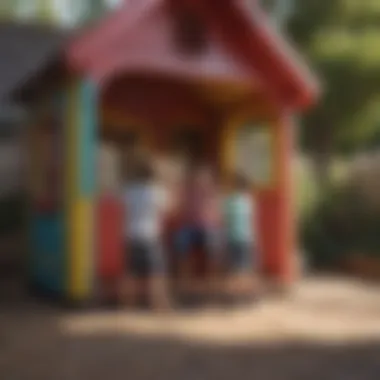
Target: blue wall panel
{"type": "Point", "coordinates": [47, 259]}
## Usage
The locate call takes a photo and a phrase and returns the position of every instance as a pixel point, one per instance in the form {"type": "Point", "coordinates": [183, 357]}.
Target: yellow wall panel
{"type": "Point", "coordinates": [79, 208]}
{"type": "Point", "coordinates": [81, 252]}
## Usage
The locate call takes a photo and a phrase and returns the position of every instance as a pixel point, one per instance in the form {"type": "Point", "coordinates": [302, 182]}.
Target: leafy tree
{"type": "Point", "coordinates": [341, 38]}
{"type": "Point", "coordinates": [7, 9]}
{"type": "Point", "coordinates": [68, 13]}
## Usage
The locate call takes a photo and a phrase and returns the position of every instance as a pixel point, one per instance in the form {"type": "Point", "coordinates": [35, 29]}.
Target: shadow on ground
{"type": "Point", "coordinates": [35, 346]}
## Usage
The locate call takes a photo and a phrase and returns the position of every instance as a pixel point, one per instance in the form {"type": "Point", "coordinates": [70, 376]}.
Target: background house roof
{"type": "Point", "coordinates": [25, 51]}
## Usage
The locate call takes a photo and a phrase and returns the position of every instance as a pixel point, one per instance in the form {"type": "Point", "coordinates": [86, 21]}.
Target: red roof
{"type": "Point", "coordinates": [244, 47]}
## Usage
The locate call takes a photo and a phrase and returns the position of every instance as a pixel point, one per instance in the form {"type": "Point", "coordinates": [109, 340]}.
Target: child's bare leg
{"type": "Point", "coordinates": [106, 292]}
{"type": "Point", "coordinates": [243, 283]}
{"type": "Point", "coordinates": [128, 290]}
{"type": "Point", "coordinates": [233, 285]}
{"type": "Point", "coordinates": [248, 284]}
{"type": "Point", "coordinates": [158, 292]}
{"type": "Point", "coordinates": [214, 281]}
{"type": "Point", "coordinates": [255, 284]}
{"type": "Point", "coordinates": [185, 276]}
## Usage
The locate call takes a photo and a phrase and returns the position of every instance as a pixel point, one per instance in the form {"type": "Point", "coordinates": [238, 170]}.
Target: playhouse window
{"type": "Point", "coordinates": [109, 179]}
{"type": "Point", "coordinates": [255, 154]}
{"type": "Point", "coordinates": [125, 143]}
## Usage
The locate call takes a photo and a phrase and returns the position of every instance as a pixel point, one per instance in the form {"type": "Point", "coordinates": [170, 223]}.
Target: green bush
{"type": "Point", "coordinates": [341, 223]}
{"type": "Point", "coordinates": [12, 214]}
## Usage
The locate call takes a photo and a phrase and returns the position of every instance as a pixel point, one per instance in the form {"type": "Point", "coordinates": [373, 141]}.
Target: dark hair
{"type": "Point", "coordinates": [241, 182]}
{"type": "Point", "coordinates": [197, 166]}
{"type": "Point", "coordinates": [144, 171]}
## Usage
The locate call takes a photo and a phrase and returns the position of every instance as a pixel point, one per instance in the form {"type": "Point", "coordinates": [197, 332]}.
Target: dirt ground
{"type": "Point", "coordinates": [326, 328]}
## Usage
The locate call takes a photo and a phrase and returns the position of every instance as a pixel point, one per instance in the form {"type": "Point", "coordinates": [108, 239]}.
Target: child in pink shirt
{"type": "Point", "coordinates": [200, 221]}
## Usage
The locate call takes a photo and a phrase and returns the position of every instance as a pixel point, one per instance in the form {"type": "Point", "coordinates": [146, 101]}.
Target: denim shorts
{"type": "Point", "coordinates": [145, 258]}
{"type": "Point", "coordinates": [190, 238]}
{"type": "Point", "coordinates": [240, 256]}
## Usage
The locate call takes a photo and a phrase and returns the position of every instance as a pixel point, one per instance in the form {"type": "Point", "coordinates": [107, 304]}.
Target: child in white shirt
{"type": "Point", "coordinates": [145, 203]}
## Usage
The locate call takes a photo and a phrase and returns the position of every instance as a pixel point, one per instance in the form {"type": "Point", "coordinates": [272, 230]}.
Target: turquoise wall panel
{"type": "Point", "coordinates": [88, 139]}
{"type": "Point", "coordinates": [48, 265]}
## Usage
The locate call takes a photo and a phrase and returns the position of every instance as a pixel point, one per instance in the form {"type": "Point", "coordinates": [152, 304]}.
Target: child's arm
{"type": "Point", "coordinates": [223, 212]}
{"type": "Point", "coordinates": [250, 205]}
{"type": "Point", "coordinates": [164, 200]}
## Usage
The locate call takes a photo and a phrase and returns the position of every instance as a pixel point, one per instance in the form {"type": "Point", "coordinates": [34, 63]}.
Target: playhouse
{"type": "Point", "coordinates": [211, 77]}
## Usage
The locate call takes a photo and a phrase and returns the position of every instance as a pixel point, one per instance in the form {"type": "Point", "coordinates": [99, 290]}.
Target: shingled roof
{"type": "Point", "coordinates": [25, 51]}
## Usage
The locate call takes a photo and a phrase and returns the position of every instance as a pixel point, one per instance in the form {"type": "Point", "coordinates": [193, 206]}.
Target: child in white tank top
{"type": "Point", "coordinates": [145, 206]}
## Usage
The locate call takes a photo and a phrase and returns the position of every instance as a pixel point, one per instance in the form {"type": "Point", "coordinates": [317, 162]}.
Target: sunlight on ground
{"type": "Point", "coordinates": [327, 312]}
{"type": "Point", "coordinates": [326, 329]}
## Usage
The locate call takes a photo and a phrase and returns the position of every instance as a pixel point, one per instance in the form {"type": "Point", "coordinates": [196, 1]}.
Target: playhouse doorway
{"type": "Point", "coordinates": [193, 121]}
{"type": "Point", "coordinates": [164, 117]}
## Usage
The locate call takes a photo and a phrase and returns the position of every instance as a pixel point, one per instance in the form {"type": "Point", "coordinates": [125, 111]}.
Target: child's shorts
{"type": "Point", "coordinates": [145, 258]}
{"type": "Point", "coordinates": [240, 256]}
{"type": "Point", "coordinates": [190, 238]}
